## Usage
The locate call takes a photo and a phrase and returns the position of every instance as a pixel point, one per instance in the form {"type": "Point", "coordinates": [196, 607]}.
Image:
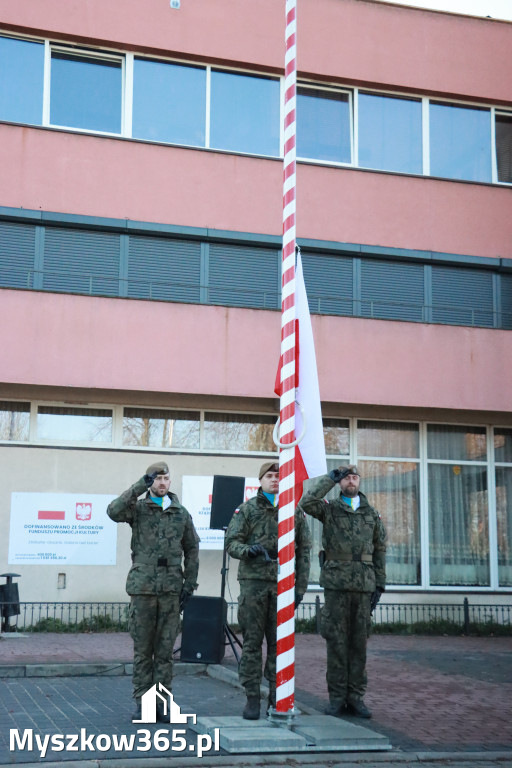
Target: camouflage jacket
{"type": "Point", "coordinates": [166, 536]}
{"type": "Point", "coordinates": [348, 534]}
{"type": "Point", "coordinates": [255, 522]}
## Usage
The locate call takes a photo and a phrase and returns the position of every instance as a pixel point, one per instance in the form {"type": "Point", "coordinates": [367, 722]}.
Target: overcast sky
{"type": "Point", "coordinates": [497, 9]}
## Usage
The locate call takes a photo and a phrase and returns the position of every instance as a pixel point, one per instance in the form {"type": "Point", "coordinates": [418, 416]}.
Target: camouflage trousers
{"type": "Point", "coordinates": [345, 619]}
{"type": "Point", "coordinates": [257, 617]}
{"type": "Point", "coordinates": [154, 624]}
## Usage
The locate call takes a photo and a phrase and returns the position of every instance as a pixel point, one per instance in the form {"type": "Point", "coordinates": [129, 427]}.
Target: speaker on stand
{"type": "Point", "coordinates": [227, 495]}
{"type": "Point", "coordinates": [205, 630]}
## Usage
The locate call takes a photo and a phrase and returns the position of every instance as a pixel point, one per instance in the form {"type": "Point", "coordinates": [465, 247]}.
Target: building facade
{"type": "Point", "coordinates": [140, 229]}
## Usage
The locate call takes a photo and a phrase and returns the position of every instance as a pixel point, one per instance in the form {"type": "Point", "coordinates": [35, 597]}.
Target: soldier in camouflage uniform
{"type": "Point", "coordinates": [162, 535]}
{"type": "Point", "coordinates": [252, 538]}
{"type": "Point", "coordinates": [353, 577]}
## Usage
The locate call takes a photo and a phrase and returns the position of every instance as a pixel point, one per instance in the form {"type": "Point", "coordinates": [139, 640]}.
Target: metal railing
{"type": "Point", "coordinates": [195, 292]}
{"type": "Point", "coordinates": [463, 617]}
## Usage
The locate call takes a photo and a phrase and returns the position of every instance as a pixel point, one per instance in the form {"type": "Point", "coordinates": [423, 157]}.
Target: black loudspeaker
{"type": "Point", "coordinates": [202, 634]}
{"type": "Point", "coordinates": [227, 495]}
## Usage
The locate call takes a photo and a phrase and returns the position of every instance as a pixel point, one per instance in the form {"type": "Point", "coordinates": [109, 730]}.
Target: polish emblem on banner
{"type": "Point", "coordinates": [83, 511]}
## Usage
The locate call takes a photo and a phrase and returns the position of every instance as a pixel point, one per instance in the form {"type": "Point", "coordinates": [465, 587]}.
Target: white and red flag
{"type": "Point", "coordinates": [310, 458]}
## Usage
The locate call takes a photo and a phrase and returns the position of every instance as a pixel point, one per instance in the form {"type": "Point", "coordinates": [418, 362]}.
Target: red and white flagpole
{"type": "Point", "coordinates": [285, 666]}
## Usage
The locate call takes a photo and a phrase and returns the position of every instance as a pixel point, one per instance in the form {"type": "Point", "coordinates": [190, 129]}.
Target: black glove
{"type": "Point", "coordinates": [184, 598]}
{"type": "Point", "coordinates": [255, 550]}
{"type": "Point", "coordinates": [337, 474]}
{"type": "Point", "coordinates": [298, 600]}
{"type": "Point", "coordinates": [375, 599]}
{"type": "Point", "coordinates": [272, 553]}
{"type": "Point", "coordinates": [150, 479]}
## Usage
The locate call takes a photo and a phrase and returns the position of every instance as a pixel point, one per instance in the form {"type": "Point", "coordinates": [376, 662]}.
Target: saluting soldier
{"type": "Point", "coordinates": [252, 538]}
{"type": "Point", "coordinates": [353, 576]}
{"type": "Point", "coordinates": [165, 562]}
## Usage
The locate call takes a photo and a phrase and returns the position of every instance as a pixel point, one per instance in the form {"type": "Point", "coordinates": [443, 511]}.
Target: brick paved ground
{"type": "Point", "coordinates": [427, 693]}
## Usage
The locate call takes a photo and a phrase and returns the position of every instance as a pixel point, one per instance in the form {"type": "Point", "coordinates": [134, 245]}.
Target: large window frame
{"type": "Point", "coordinates": [423, 462]}
{"type": "Point", "coordinates": [126, 60]}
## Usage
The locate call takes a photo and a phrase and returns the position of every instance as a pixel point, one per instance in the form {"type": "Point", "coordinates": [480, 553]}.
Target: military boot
{"type": "Point", "coordinates": [137, 711]}
{"type": "Point", "coordinates": [252, 708]}
{"type": "Point", "coordinates": [335, 708]}
{"type": "Point", "coordinates": [358, 708]}
{"type": "Point", "coordinates": [271, 701]}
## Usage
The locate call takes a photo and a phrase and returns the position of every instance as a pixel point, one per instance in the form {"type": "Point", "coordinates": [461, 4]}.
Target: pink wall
{"type": "Point", "coordinates": [70, 341]}
{"type": "Point", "coordinates": [367, 42]}
{"type": "Point", "coordinates": [72, 173]}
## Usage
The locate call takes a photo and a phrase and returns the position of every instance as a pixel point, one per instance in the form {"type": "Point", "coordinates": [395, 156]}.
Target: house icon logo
{"type": "Point", "coordinates": [162, 696]}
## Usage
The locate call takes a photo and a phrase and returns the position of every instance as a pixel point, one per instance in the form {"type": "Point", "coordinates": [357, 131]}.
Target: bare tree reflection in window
{"type": "Point", "coordinates": [14, 421]}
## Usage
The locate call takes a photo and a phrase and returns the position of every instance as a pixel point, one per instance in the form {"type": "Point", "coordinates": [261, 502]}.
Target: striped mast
{"type": "Point", "coordinates": [285, 663]}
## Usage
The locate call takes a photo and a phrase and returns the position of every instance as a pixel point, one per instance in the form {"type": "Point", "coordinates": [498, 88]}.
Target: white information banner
{"type": "Point", "coordinates": [197, 498]}
{"type": "Point", "coordinates": [61, 528]}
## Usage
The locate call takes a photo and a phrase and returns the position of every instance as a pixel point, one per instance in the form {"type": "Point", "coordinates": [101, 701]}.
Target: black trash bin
{"type": "Point", "coordinates": [9, 600]}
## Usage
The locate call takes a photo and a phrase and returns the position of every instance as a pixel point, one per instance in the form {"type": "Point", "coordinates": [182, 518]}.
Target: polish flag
{"type": "Point", "coordinates": [310, 458]}
{"type": "Point", "coordinates": [50, 515]}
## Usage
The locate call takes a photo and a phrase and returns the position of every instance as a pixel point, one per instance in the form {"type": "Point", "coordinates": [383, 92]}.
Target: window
{"type": "Point", "coordinates": [165, 269]}
{"type": "Point", "coordinates": [161, 429]}
{"type": "Point", "coordinates": [503, 457]}
{"type": "Point", "coordinates": [81, 261]}
{"type": "Point", "coordinates": [86, 92]}
{"type": "Point", "coordinates": [323, 125]}
{"type": "Point", "coordinates": [329, 283]}
{"type": "Point", "coordinates": [460, 142]}
{"type": "Point", "coordinates": [393, 489]}
{"type": "Point", "coordinates": [84, 425]}
{"type": "Point", "coordinates": [392, 290]}
{"type": "Point", "coordinates": [17, 248]}
{"type": "Point", "coordinates": [458, 506]}
{"type": "Point", "coordinates": [336, 436]}
{"type": "Point", "coordinates": [462, 296]}
{"type": "Point", "coordinates": [244, 113]}
{"type": "Point", "coordinates": [390, 133]}
{"type": "Point", "coordinates": [14, 421]}
{"type": "Point", "coordinates": [504, 147]}
{"type": "Point", "coordinates": [243, 277]}
{"type": "Point", "coordinates": [169, 102]}
{"type": "Point", "coordinates": [239, 432]}
{"type": "Point", "coordinates": [376, 438]}
{"type": "Point", "coordinates": [21, 84]}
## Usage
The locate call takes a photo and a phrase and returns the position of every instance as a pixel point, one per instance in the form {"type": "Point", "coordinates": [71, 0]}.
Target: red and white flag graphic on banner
{"type": "Point", "coordinates": [310, 458]}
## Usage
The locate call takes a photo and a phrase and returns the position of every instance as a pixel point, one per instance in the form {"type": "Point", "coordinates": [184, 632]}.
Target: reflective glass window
{"type": "Point", "coordinates": [169, 102]}
{"type": "Point", "coordinates": [503, 444]}
{"type": "Point", "coordinates": [86, 92]}
{"type": "Point", "coordinates": [323, 125]}
{"type": "Point", "coordinates": [239, 432]}
{"type": "Point", "coordinates": [390, 133]}
{"type": "Point", "coordinates": [161, 429]}
{"type": "Point", "coordinates": [458, 525]}
{"type": "Point", "coordinates": [336, 436]}
{"type": "Point", "coordinates": [393, 488]}
{"type": "Point", "coordinates": [21, 80]}
{"type": "Point", "coordinates": [244, 113]}
{"type": "Point", "coordinates": [504, 519]}
{"type": "Point", "coordinates": [14, 421]}
{"type": "Point", "coordinates": [504, 147]}
{"type": "Point", "coordinates": [88, 425]}
{"type": "Point", "coordinates": [460, 142]}
{"type": "Point", "coordinates": [451, 442]}
{"type": "Point", "coordinates": [377, 438]}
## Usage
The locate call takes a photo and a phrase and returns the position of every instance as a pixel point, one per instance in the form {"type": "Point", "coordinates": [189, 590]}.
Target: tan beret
{"type": "Point", "coordinates": [268, 466]}
{"type": "Point", "coordinates": [159, 466]}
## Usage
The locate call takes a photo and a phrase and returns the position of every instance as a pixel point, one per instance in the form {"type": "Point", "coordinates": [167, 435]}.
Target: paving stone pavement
{"type": "Point", "coordinates": [428, 694]}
